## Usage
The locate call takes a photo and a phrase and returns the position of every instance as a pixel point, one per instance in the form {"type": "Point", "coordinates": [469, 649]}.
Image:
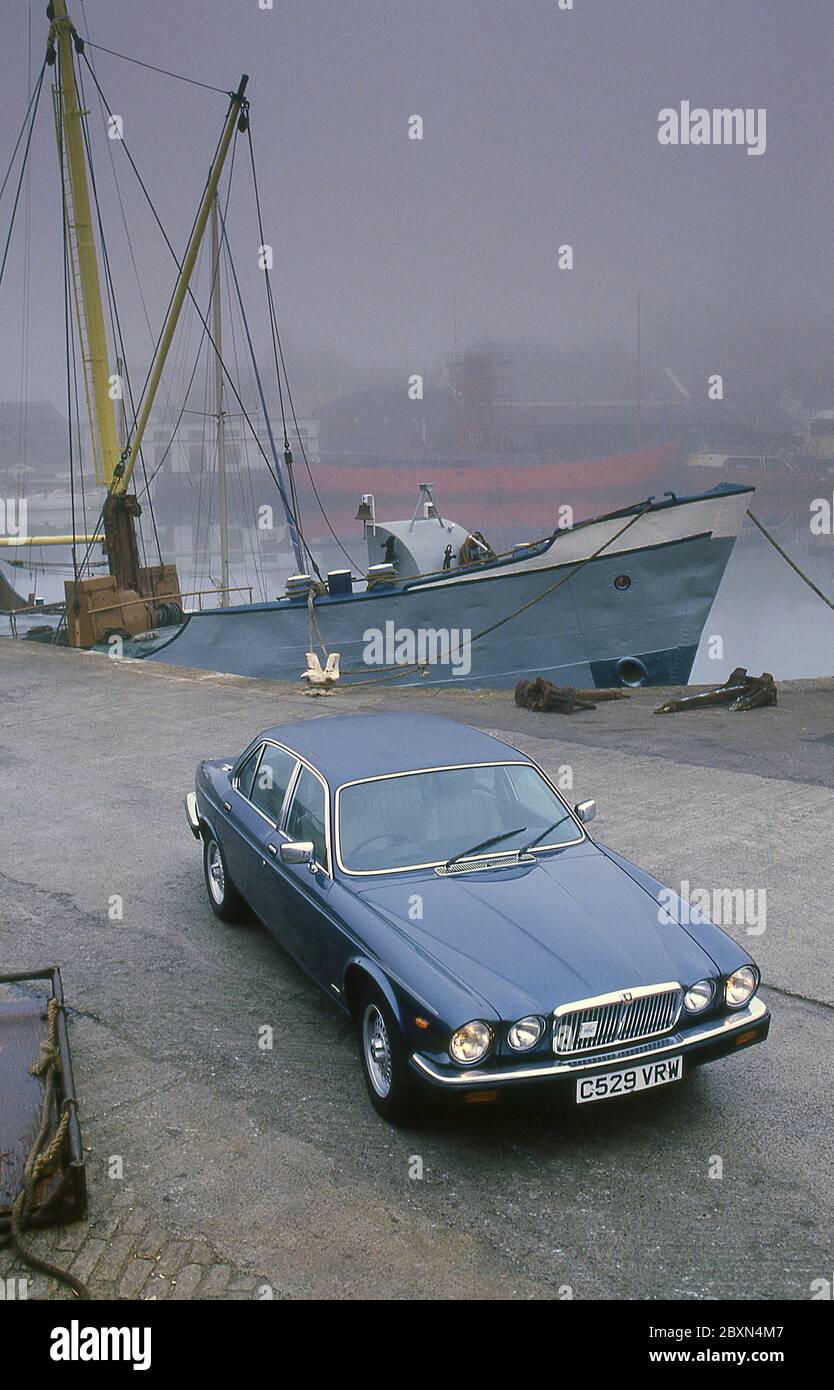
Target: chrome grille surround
{"type": "Point", "coordinates": [625, 1016]}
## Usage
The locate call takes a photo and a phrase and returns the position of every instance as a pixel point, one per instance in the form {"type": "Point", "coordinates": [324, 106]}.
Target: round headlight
{"type": "Point", "coordinates": [525, 1033]}
{"type": "Point", "coordinates": [741, 986]}
{"type": "Point", "coordinates": [698, 996]}
{"type": "Point", "coordinates": [471, 1042]}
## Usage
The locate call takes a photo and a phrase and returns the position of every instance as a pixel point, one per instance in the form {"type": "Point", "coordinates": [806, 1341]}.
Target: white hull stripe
{"type": "Point", "coordinates": [718, 517]}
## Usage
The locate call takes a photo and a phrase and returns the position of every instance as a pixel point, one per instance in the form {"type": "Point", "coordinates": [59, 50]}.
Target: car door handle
{"type": "Point", "coordinates": [227, 805]}
{"type": "Point", "coordinates": [272, 849]}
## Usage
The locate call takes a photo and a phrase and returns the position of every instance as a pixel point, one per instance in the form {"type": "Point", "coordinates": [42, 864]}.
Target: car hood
{"type": "Point", "coordinates": [527, 939]}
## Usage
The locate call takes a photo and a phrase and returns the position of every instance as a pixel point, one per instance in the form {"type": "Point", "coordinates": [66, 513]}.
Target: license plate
{"type": "Point", "coordinates": [626, 1082]}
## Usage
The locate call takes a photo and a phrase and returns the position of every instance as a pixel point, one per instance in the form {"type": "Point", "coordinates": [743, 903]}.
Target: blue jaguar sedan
{"type": "Point", "coordinates": [435, 884]}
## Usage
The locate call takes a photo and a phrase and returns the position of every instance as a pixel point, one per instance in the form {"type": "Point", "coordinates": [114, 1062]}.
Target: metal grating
{"type": "Point", "coordinates": [628, 1016]}
{"type": "Point", "coordinates": [492, 861]}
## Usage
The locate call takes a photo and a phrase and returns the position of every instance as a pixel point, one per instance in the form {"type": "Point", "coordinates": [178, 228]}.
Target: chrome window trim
{"type": "Point", "coordinates": [235, 779]}
{"type": "Point", "coordinates": [751, 1013]}
{"type": "Point", "coordinates": [448, 767]}
{"type": "Point", "coordinates": [249, 802]}
{"type": "Point", "coordinates": [285, 804]}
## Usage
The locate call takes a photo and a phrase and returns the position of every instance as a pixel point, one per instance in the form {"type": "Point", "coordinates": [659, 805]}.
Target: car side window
{"type": "Point", "coordinates": [271, 780]}
{"type": "Point", "coordinates": [246, 772]}
{"type": "Point", "coordinates": [307, 814]}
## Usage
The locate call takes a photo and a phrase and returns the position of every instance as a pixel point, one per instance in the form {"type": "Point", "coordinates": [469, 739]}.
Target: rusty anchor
{"type": "Point", "coordinates": [541, 695]}
{"type": "Point", "coordinates": [739, 692]}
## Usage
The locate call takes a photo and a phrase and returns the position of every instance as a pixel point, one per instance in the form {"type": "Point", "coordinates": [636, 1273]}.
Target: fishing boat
{"type": "Point", "coordinates": [618, 599]}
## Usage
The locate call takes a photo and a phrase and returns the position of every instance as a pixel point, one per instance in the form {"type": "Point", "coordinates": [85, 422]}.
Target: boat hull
{"type": "Point", "coordinates": [507, 620]}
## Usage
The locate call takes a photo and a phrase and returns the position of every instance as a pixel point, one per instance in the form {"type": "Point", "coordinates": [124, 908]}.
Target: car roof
{"type": "Point", "coordinates": [345, 747]}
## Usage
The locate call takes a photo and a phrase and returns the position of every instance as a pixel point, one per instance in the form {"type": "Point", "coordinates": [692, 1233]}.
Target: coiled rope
{"type": "Point", "coordinates": [43, 1155]}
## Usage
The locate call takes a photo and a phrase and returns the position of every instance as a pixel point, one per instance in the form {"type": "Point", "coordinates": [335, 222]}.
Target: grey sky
{"type": "Point", "coordinates": [540, 129]}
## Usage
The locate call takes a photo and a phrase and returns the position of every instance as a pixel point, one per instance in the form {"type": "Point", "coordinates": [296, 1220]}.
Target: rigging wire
{"type": "Point", "coordinates": [129, 242]}
{"type": "Point", "coordinates": [23, 417]}
{"type": "Point", "coordinates": [257, 555]}
{"type": "Point", "coordinates": [38, 89]}
{"type": "Point", "coordinates": [59, 126]}
{"type": "Point", "coordinates": [292, 520]}
{"type": "Point", "coordinates": [273, 333]}
{"type": "Point", "coordinates": [276, 337]}
{"type": "Point", "coordinates": [149, 200]}
{"type": "Point", "coordinates": [190, 292]}
{"type": "Point", "coordinates": [166, 72]}
{"type": "Point", "coordinates": [115, 321]}
{"type": "Point", "coordinates": [35, 96]}
{"type": "Point", "coordinates": [185, 398]}
{"type": "Point", "coordinates": [75, 376]}
{"type": "Point", "coordinates": [33, 107]}
{"type": "Point", "coordinates": [198, 565]}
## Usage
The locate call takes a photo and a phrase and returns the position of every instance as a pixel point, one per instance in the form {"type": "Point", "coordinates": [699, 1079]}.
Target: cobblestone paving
{"type": "Point", "coordinates": [126, 1254]}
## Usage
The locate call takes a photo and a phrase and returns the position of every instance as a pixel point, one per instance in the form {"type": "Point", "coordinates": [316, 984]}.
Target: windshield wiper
{"type": "Point", "coordinates": [546, 831]}
{"type": "Point", "coordinates": [485, 844]}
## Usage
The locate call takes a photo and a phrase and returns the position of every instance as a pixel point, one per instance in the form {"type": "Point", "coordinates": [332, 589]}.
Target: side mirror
{"type": "Point", "coordinates": [585, 811]}
{"type": "Point", "coordinates": [297, 852]}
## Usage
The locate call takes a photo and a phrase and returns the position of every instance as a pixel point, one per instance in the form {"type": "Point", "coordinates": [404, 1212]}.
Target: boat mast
{"type": "Point", "coordinates": [124, 470]}
{"type": "Point", "coordinates": [80, 233]}
{"type": "Point", "coordinates": [132, 585]}
{"type": "Point", "coordinates": [121, 507]}
{"type": "Point", "coordinates": [217, 324]}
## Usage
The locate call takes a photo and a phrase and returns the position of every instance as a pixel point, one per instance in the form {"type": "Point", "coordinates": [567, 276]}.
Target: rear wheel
{"type": "Point", "coordinates": [224, 899]}
{"type": "Point", "coordinates": [385, 1059]}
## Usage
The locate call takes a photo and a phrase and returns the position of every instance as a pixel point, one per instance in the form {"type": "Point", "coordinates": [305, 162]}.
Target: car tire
{"type": "Point", "coordinates": [384, 1056]}
{"type": "Point", "coordinates": [224, 899]}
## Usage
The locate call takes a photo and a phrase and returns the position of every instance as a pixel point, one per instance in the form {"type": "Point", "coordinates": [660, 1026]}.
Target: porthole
{"type": "Point", "coordinates": [631, 671]}
{"type": "Point", "coordinates": [623, 581]}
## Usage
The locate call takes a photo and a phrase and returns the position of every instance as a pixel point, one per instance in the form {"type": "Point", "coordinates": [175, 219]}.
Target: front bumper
{"type": "Point", "coordinates": [192, 814]}
{"type": "Point", "coordinates": [701, 1043]}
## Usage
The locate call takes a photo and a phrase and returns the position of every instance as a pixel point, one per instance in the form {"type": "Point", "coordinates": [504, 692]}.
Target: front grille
{"type": "Point", "coordinates": [626, 1016]}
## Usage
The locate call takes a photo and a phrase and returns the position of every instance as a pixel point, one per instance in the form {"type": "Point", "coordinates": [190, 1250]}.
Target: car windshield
{"type": "Point", "coordinates": [428, 818]}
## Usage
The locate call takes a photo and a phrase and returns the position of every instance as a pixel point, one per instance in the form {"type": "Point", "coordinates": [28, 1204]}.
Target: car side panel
{"type": "Point", "coordinates": [233, 823]}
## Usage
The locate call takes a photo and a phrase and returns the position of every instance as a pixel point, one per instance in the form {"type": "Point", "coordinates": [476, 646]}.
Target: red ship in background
{"type": "Point", "coordinates": [498, 492]}
{"type": "Point", "coordinates": [505, 439]}
{"type": "Point", "coordinates": [508, 434]}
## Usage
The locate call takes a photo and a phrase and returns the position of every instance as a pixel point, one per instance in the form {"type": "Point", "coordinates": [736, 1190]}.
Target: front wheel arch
{"type": "Point", "coordinates": [359, 974]}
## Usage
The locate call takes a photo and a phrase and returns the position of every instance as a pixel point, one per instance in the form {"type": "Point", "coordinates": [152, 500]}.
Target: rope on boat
{"type": "Point", "coordinates": [393, 671]}
{"type": "Point", "coordinates": [794, 566]}
{"type": "Point", "coordinates": [43, 1156]}
{"type": "Point", "coordinates": [166, 72]}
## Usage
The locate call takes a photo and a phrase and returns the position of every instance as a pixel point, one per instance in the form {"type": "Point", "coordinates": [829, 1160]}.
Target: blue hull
{"type": "Point", "coordinates": [589, 632]}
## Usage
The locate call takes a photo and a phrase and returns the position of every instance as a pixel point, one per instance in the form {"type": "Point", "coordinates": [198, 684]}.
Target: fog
{"type": "Point", "coordinates": [540, 128]}
{"type": "Point", "coordinates": [392, 255]}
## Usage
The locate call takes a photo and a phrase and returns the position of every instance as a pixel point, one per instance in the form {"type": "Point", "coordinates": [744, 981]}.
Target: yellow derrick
{"type": "Point", "coordinates": [86, 288]}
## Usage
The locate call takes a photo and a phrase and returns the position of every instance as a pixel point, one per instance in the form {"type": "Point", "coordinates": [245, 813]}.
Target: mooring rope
{"type": "Point", "coordinates": [48, 1062]}
{"type": "Point", "coordinates": [794, 566]}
